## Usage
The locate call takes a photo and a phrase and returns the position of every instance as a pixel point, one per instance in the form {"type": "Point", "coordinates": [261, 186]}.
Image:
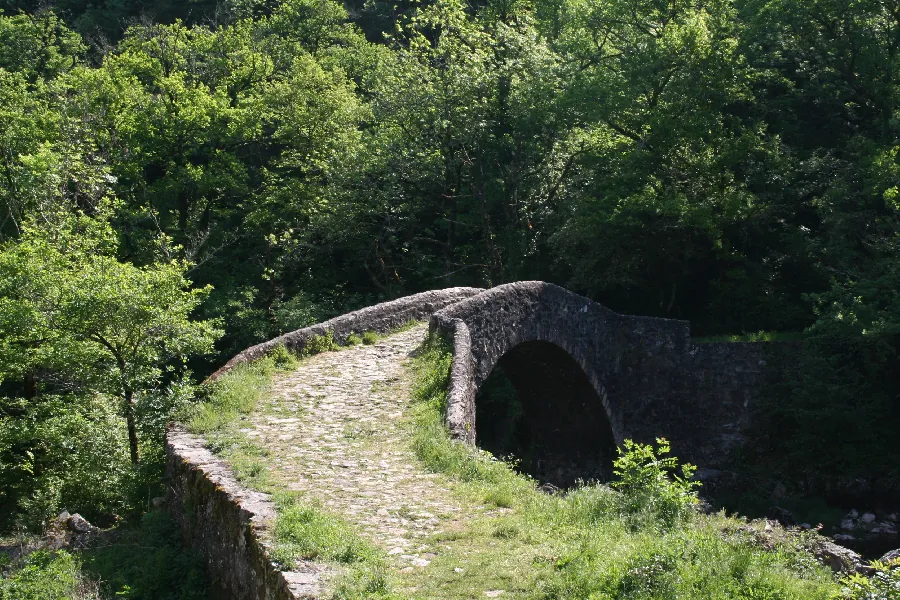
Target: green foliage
{"type": "Point", "coordinates": [46, 576]}
{"type": "Point", "coordinates": [67, 452]}
{"type": "Point", "coordinates": [651, 487]}
{"type": "Point", "coordinates": [731, 162]}
{"type": "Point", "coordinates": [320, 343]}
{"type": "Point", "coordinates": [147, 562]}
{"type": "Point", "coordinates": [643, 539]}
{"type": "Point", "coordinates": [67, 304]}
{"type": "Point", "coordinates": [282, 358]}
{"type": "Point", "coordinates": [353, 340]}
{"type": "Point", "coordinates": [431, 440]}
{"type": "Point", "coordinates": [231, 396]}
{"type": "Point", "coordinates": [884, 584]}
{"type": "Point", "coordinates": [369, 338]}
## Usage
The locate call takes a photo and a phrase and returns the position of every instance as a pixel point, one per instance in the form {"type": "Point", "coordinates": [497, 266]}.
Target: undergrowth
{"type": "Point", "coordinates": [143, 561]}
{"type": "Point", "coordinates": [642, 538]}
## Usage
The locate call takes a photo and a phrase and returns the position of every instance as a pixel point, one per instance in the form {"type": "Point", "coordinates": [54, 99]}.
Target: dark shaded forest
{"type": "Point", "coordinates": [180, 180]}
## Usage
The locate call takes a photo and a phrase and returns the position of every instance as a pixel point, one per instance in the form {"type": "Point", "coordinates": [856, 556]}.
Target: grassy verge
{"type": "Point", "coordinates": [594, 542]}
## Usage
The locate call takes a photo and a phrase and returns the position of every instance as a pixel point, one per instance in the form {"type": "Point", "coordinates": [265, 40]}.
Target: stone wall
{"type": "Point", "coordinates": [228, 525]}
{"type": "Point", "coordinates": [380, 318]}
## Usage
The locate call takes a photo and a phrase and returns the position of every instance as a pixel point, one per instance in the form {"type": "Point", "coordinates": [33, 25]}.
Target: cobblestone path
{"type": "Point", "coordinates": [335, 430]}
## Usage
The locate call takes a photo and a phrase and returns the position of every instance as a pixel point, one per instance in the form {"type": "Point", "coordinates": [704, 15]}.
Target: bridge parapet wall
{"type": "Point", "coordinates": [380, 318]}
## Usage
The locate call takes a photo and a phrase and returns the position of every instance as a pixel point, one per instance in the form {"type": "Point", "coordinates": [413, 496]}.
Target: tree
{"type": "Point", "coordinates": [69, 307]}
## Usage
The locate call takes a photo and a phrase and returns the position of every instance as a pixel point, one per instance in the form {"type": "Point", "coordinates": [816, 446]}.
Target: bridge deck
{"type": "Point", "coordinates": [336, 429]}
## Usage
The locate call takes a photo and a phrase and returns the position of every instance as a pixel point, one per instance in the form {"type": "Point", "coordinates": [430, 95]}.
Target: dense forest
{"type": "Point", "coordinates": [180, 180]}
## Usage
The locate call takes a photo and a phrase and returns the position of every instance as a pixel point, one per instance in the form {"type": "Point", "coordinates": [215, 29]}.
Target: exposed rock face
{"type": "Point", "coordinates": [70, 532]}
{"type": "Point", "coordinates": [228, 524]}
{"type": "Point", "coordinates": [841, 559]}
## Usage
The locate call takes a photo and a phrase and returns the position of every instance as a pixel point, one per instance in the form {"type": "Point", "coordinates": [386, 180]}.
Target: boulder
{"type": "Point", "coordinates": [782, 515]}
{"type": "Point", "coordinates": [840, 559]}
{"type": "Point", "coordinates": [889, 556]}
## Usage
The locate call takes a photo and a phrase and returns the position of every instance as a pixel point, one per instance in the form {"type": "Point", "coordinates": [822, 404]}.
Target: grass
{"type": "Point", "coordinates": [589, 543]}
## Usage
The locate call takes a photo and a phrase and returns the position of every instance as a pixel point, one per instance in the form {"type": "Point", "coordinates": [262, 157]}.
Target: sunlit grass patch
{"type": "Point", "coordinates": [232, 396]}
{"type": "Point", "coordinates": [303, 531]}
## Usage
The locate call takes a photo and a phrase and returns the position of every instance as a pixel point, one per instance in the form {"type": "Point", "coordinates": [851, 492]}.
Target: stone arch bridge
{"type": "Point", "coordinates": [587, 377]}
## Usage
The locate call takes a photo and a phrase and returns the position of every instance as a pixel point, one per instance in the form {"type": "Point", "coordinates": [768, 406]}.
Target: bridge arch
{"type": "Point", "coordinates": [488, 327]}
{"type": "Point", "coordinates": [539, 406]}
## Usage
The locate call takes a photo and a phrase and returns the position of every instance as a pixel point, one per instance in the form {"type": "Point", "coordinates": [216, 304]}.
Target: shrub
{"type": "Point", "coordinates": [651, 488]}
{"type": "Point", "coordinates": [369, 338]}
{"type": "Point", "coordinates": [883, 585]}
{"type": "Point", "coordinates": [353, 340]}
{"type": "Point", "coordinates": [147, 563]}
{"type": "Point", "coordinates": [282, 357]}
{"type": "Point", "coordinates": [63, 452]}
{"type": "Point", "coordinates": [320, 343]}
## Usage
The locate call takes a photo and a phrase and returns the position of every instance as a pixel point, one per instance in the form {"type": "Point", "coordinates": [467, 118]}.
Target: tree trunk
{"type": "Point", "coordinates": [132, 428]}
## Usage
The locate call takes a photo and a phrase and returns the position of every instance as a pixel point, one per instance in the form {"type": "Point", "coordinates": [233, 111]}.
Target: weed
{"type": "Point", "coordinates": [353, 340]}
{"type": "Point", "coordinates": [282, 358]}
{"type": "Point", "coordinates": [369, 338]}
{"type": "Point", "coordinates": [320, 343]}
{"type": "Point", "coordinates": [45, 575]}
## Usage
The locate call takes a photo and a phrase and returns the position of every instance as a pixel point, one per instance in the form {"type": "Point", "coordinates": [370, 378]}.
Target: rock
{"type": "Point", "coordinates": [79, 524]}
{"type": "Point", "coordinates": [63, 516]}
{"type": "Point", "coordinates": [867, 518]}
{"type": "Point", "coordinates": [885, 528]}
{"type": "Point", "coordinates": [158, 501]}
{"type": "Point", "coordinates": [805, 526]}
{"type": "Point", "coordinates": [837, 557]}
{"type": "Point", "coordinates": [853, 514]}
{"type": "Point", "coordinates": [889, 556]}
{"type": "Point", "coordinates": [782, 515]}
{"type": "Point", "coordinates": [707, 475]}
{"type": "Point", "coordinates": [494, 593]}
{"type": "Point", "coordinates": [848, 524]}
{"type": "Point", "coordinates": [893, 517]}
{"type": "Point", "coordinates": [844, 537]}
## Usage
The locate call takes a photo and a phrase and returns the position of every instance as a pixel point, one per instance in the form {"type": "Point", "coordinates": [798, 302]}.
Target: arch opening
{"type": "Point", "coordinates": [539, 409]}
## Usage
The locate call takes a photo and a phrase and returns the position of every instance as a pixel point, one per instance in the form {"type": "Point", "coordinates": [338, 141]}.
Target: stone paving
{"type": "Point", "coordinates": [335, 429]}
